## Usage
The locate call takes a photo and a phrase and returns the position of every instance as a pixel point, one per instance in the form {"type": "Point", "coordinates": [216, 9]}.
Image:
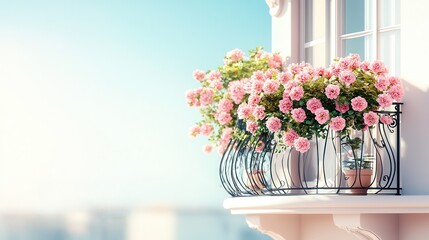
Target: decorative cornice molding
{"type": "Point", "coordinates": [276, 7]}
{"type": "Point", "coordinates": [352, 224]}
{"type": "Point", "coordinates": [254, 222]}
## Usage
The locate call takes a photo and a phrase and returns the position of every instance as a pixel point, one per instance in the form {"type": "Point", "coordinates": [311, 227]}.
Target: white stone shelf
{"type": "Point", "coordinates": [345, 217]}
{"type": "Point", "coordinates": [328, 204]}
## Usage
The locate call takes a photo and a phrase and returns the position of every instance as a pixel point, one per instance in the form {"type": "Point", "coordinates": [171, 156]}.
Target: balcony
{"type": "Point", "coordinates": [264, 167]}
{"type": "Point", "coordinates": [291, 195]}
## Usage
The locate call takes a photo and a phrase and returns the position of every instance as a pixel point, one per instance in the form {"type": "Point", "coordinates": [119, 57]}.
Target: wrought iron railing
{"type": "Point", "coordinates": [246, 170]}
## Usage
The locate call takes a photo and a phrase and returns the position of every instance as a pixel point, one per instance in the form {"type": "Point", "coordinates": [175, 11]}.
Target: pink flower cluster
{"type": "Point", "coordinates": [200, 97]}
{"type": "Point", "coordinates": [293, 103]}
{"type": "Point", "coordinates": [234, 56]}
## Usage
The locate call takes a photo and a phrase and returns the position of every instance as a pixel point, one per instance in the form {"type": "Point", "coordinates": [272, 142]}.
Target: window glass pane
{"type": "Point", "coordinates": [315, 18]}
{"type": "Point", "coordinates": [357, 16]}
{"type": "Point", "coordinates": [390, 14]}
{"type": "Point", "coordinates": [315, 55]}
{"type": "Point", "coordinates": [390, 51]}
{"type": "Point", "coordinates": [361, 46]}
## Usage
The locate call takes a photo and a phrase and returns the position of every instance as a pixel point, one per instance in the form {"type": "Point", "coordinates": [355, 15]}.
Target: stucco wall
{"type": "Point", "coordinates": [415, 120]}
{"type": "Point", "coordinates": [414, 72]}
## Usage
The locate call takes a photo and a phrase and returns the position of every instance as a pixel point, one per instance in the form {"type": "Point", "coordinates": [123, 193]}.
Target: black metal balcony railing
{"type": "Point", "coordinates": [244, 171]}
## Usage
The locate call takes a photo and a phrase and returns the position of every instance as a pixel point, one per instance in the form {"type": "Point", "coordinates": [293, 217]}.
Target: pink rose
{"type": "Point", "coordinates": [216, 84]}
{"type": "Point", "coordinates": [335, 70]}
{"type": "Point", "coordinates": [322, 115]}
{"type": "Point", "coordinates": [270, 86]}
{"type": "Point", "coordinates": [253, 100]}
{"type": "Point", "coordinates": [244, 111]}
{"type": "Point", "coordinates": [290, 136]}
{"type": "Point", "coordinates": [364, 66]}
{"type": "Point", "coordinates": [199, 75]}
{"type": "Point", "coordinates": [288, 87]}
{"type": "Point", "coordinates": [285, 105]}
{"type": "Point", "coordinates": [341, 108]}
{"type": "Point", "coordinates": [394, 81]}
{"type": "Point", "coordinates": [225, 105]}
{"type": "Point", "coordinates": [396, 92]}
{"type": "Point", "coordinates": [370, 118]}
{"type": "Point", "coordinates": [296, 93]}
{"type": "Point", "coordinates": [385, 100]}
{"type": "Point", "coordinates": [386, 119]}
{"type": "Point", "coordinates": [313, 104]}
{"type": "Point", "coordinates": [337, 123]}
{"type": "Point", "coordinates": [347, 76]}
{"type": "Point", "coordinates": [236, 90]}
{"type": "Point", "coordinates": [214, 76]}
{"type": "Point", "coordinates": [294, 68]}
{"type": "Point", "coordinates": [303, 77]}
{"type": "Point", "coordinates": [359, 104]}
{"type": "Point", "coordinates": [257, 86]}
{"type": "Point", "coordinates": [273, 124]}
{"type": "Point", "coordinates": [327, 73]}
{"type": "Point", "coordinates": [378, 67]}
{"type": "Point", "coordinates": [224, 118]}
{"type": "Point", "coordinates": [354, 61]}
{"type": "Point", "coordinates": [275, 61]}
{"type": "Point", "coordinates": [206, 129]}
{"type": "Point", "coordinates": [206, 96]}
{"type": "Point", "coordinates": [344, 64]}
{"type": "Point", "coordinates": [251, 127]}
{"type": "Point", "coordinates": [320, 71]}
{"type": "Point", "coordinates": [332, 91]}
{"type": "Point", "coordinates": [195, 130]}
{"type": "Point", "coordinates": [259, 112]}
{"type": "Point", "coordinates": [234, 56]}
{"type": "Point", "coordinates": [298, 114]}
{"type": "Point", "coordinates": [208, 148]}
{"type": "Point", "coordinates": [258, 75]}
{"type": "Point", "coordinates": [307, 68]}
{"type": "Point", "coordinates": [191, 98]}
{"type": "Point", "coordinates": [284, 77]}
{"type": "Point", "coordinates": [247, 84]}
{"type": "Point", "coordinates": [382, 83]}
{"type": "Point", "coordinates": [270, 73]}
{"type": "Point", "coordinates": [302, 144]}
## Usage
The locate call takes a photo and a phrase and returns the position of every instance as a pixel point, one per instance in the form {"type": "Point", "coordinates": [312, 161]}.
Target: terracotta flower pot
{"type": "Point", "coordinates": [253, 180]}
{"type": "Point", "coordinates": [358, 180]}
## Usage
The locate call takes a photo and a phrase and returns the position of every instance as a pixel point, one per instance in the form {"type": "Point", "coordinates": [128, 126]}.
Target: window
{"type": "Point", "coordinates": [370, 28]}
{"type": "Point", "coordinates": [315, 32]}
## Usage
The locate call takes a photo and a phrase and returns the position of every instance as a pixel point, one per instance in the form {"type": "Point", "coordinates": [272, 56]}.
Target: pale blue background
{"type": "Point", "coordinates": [92, 107]}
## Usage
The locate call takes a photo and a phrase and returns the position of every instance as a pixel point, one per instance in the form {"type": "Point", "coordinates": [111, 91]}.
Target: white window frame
{"type": "Point", "coordinates": [334, 28]}
{"type": "Point", "coordinates": [326, 39]}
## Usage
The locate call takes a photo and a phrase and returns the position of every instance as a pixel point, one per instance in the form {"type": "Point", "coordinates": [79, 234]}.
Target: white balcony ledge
{"type": "Point", "coordinates": [328, 204]}
{"type": "Point", "coordinates": [336, 216]}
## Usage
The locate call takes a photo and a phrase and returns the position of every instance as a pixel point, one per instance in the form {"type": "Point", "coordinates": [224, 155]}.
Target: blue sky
{"type": "Point", "coordinates": [92, 99]}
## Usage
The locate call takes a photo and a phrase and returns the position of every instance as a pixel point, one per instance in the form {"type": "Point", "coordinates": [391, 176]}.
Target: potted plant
{"type": "Point", "coordinates": [357, 166]}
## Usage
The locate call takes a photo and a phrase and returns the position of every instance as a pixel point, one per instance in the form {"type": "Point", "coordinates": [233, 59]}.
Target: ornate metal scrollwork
{"type": "Point", "coordinates": [246, 169]}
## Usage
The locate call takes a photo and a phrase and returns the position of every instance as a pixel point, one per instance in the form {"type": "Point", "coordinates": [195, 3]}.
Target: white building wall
{"type": "Point", "coordinates": [414, 74]}
{"type": "Point", "coordinates": [415, 117]}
